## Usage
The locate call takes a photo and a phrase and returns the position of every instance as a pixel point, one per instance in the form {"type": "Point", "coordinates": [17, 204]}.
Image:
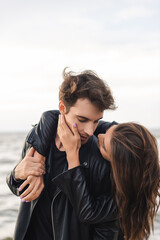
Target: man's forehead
{"type": "Point", "coordinates": [85, 108]}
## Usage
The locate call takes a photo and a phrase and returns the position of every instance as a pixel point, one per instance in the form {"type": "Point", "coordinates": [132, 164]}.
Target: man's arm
{"type": "Point", "coordinates": [40, 138]}
{"type": "Point", "coordinates": [29, 165]}
{"type": "Point", "coordinates": [13, 183]}
{"type": "Point", "coordinates": [33, 186]}
{"type": "Point", "coordinates": [28, 168]}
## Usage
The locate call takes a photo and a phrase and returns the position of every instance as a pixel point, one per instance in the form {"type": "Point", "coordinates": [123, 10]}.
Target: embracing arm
{"type": "Point", "coordinates": [44, 131]}
{"type": "Point", "coordinates": [103, 127]}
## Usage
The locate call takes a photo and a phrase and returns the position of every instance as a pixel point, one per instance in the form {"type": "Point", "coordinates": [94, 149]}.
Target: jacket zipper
{"type": "Point", "coordinates": [52, 213]}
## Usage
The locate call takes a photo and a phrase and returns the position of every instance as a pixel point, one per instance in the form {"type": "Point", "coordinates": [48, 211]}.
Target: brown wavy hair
{"type": "Point", "coordinates": [136, 174]}
{"type": "Point", "coordinates": [86, 84]}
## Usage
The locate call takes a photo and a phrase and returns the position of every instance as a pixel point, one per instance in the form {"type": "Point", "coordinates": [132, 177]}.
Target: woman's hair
{"type": "Point", "coordinates": [136, 174]}
{"type": "Point", "coordinates": [86, 84]}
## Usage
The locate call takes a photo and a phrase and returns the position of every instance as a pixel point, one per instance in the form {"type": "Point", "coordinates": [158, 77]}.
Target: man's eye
{"type": "Point", "coordinates": [96, 121]}
{"type": "Point", "coordinates": [82, 120]}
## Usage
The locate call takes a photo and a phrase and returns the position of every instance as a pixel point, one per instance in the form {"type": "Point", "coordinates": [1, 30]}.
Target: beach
{"type": "Point", "coordinates": [10, 150]}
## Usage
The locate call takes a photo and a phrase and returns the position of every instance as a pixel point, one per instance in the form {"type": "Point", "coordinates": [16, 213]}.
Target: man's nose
{"type": "Point", "coordinates": [90, 129]}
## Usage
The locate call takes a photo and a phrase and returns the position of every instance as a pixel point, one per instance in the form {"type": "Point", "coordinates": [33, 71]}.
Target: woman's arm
{"type": "Point", "coordinates": [44, 132]}
{"type": "Point", "coordinates": [89, 209]}
{"type": "Point", "coordinates": [103, 127]}
{"type": "Point", "coordinates": [46, 129]}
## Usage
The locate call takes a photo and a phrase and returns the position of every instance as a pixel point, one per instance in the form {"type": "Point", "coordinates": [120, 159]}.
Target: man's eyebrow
{"type": "Point", "coordinates": [88, 118]}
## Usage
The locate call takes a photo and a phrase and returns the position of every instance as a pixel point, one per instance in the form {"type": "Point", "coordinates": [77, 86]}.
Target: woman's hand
{"type": "Point", "coordinates": [33, 191]}
{"type": "Point", "coordinates": [71, 141]}
{"type": "Point", "coordinates": [70, 138]}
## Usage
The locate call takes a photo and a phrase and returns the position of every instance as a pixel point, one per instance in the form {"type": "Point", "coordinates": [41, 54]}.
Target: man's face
{"type": "Point", "coordinates": [86, 116]}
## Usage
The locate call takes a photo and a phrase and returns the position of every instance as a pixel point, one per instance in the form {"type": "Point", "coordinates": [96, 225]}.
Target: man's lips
{"type": "Point", "coordinates": [83, 137]}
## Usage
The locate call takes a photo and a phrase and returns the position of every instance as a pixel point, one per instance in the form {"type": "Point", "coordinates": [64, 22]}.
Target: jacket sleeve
{"type": "Point", "coordinates": [11, 182]}
{"type": "Point", "coordinates": [103, 127]}
{"type": "Point", "coordinates": [89, 209]}
{"type": "Point", "coordinates": [44, 132]}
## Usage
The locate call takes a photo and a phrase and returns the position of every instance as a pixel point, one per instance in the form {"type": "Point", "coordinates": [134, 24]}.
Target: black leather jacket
{"type": "Point", "coordinates": [85, 191]}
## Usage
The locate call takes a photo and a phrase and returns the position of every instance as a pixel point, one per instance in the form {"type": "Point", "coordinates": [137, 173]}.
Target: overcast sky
{"type": "Point", "coordinates": [118, 39]}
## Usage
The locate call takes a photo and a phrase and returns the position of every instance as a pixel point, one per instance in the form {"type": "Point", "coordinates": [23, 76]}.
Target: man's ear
{"type": "Point", "coordinates": [62, 107]}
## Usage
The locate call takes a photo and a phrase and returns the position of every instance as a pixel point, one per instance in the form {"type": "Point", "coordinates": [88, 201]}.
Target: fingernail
{"type": "Point", "coordinates": [19, 189]}
{"type": "Point", "coordinates": [23, 200]}
{"type": "Point", "coordinates": [74, 125]}
{"type": "Point", "coordinates": [21, 197]}
{"type": "Point", "coordinates": [27, 201]}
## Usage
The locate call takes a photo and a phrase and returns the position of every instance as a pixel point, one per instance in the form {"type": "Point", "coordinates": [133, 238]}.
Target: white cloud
{"type": "Point", "coordinates": [136, 12]}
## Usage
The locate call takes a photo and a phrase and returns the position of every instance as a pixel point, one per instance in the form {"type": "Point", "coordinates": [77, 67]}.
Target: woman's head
{"type": "Point", "coordinates": [132, 151]}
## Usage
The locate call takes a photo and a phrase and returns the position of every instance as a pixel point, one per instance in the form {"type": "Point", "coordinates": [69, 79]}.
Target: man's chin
{"type": "Point", "coordinates": [83, 141]}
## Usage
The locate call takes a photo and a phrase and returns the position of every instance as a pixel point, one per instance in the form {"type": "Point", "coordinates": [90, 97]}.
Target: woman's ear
{"type": "Point", "coordinates": [62, 107]}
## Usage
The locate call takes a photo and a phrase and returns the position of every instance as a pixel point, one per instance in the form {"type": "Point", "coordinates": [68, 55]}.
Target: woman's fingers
{"type": "Point", "coordinates": [24, 184]}
{"type": "Point", "coordinates": [36, 185]}
{"type": "Point", "coordinates": [30, 196]}
{"type": "Point", "coordinates": [35, 193]}
{"type": "Point", "coordinates": [27, 191]}
{"type": "Point", "coordinates": [75, 130]}
{"type": "Point", "coordinates": [63, 126]}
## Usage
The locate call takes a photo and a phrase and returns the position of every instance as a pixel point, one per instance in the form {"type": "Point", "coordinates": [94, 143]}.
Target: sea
{"type": "Point", "coordinates": [10, 151]}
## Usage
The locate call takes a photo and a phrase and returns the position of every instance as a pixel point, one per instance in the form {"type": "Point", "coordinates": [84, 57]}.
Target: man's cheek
{"type": "Point", "coordinates": [80, 128]}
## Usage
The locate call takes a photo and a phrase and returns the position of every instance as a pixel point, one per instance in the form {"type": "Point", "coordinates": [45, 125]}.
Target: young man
{"type": "Point", "coordinates": [83, 98]}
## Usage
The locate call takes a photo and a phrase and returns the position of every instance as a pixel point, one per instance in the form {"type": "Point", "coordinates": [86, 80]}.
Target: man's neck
{"type": "Point", "coordinates": [59, 143]}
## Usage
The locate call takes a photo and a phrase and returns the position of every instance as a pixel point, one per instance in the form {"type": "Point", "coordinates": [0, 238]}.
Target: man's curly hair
{"type": "Point", "coordinates": [86, 84]}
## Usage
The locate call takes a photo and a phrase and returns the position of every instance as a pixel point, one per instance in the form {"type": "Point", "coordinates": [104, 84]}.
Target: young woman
{"type": "Point", "coordinates": [133, 154]}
